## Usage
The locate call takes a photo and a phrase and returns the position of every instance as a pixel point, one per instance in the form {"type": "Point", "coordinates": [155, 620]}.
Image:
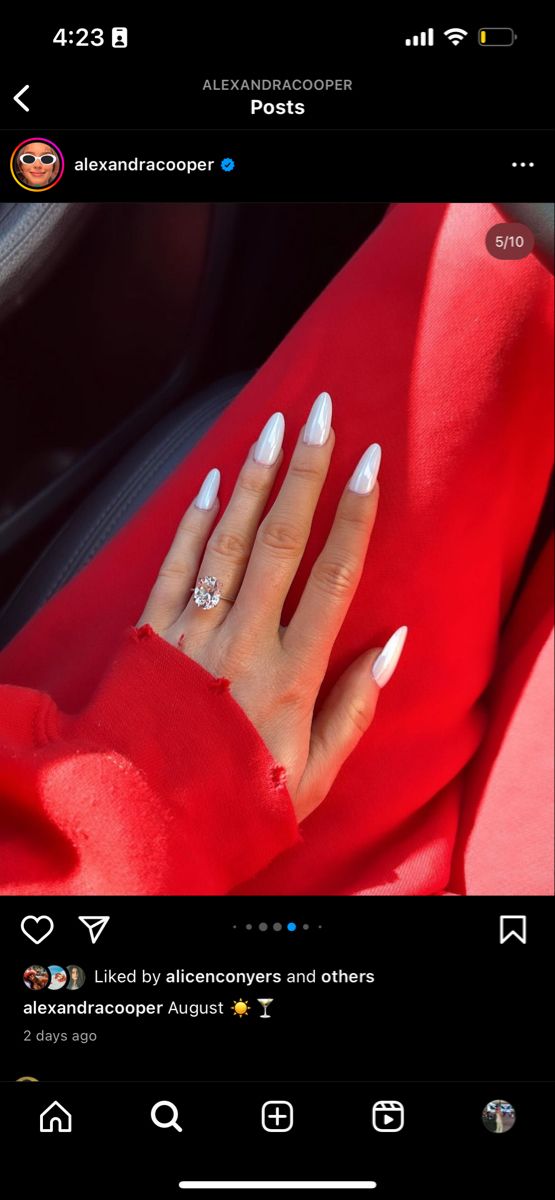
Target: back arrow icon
{"type": "Point", "coordinates": [18, 99]}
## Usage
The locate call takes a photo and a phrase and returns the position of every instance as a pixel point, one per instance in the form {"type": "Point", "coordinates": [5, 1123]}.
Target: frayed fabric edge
{"type": "Point", "coordinates": [278, 776]}
{"type": "Point", "coordinates": [141, 631]}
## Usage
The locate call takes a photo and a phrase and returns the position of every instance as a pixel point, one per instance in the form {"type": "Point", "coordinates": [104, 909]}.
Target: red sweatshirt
{"type": "Point", "coordinates": [160, 785]}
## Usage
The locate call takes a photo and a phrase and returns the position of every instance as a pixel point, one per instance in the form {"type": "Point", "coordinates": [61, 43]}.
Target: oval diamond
{"type": "Point", "coordinates": [207, 592]}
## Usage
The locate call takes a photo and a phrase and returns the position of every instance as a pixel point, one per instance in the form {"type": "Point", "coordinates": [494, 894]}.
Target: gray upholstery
{"type": "Point", "coordinates": [32, 239]}
{"type": "Point", "coordinates": [115, 500]}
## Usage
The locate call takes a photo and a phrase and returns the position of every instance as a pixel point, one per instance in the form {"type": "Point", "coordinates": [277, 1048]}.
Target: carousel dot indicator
{"type": "Point", "coordinates": [263, 927]}
{"type": "Point", "coordinates": [291, 926]}
{"type": "Point", "coordinates": [277, 926]}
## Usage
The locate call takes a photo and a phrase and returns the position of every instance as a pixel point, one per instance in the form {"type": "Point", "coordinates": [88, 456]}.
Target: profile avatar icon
{"type": "Point", "coordinates": [76, 977]}
{"type": "Point", "coordinates": [37, 164]}
{"type": "Point", "coordinates": [36, 977]}
{"type": "Point", "coordinates": [498, 1116]}
{"type": "Point", "coordinates": [58, 977]}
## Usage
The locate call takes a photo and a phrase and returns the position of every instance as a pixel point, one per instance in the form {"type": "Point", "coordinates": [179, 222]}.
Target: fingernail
{"type": "Point", "coordinates": [268, 445]}
{"type": "Point", "coordinates": [365, 474]}
{"type": "Point", "coordinates": [209, 489]}
{"type": "Point", "coordinates": [384, 665]}
{"type": "Point", "coordinates": [318, 425]}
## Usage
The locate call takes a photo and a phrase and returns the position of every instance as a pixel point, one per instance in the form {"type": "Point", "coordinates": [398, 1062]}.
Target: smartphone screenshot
{"type": "Point", "coordinates": [276, 606]}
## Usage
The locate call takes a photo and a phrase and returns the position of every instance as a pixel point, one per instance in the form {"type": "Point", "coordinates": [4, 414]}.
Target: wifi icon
{"type": "Point", "coordinates": [455, 35]}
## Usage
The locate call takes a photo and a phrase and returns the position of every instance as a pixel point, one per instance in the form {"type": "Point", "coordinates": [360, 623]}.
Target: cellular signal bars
{"type": "Point", "coordinates": [426, 38]}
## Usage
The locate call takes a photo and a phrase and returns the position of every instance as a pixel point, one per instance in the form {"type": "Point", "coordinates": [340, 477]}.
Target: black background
{"type": "Point", "coordinates": [304, 165]}
{"type": "Point", "coordinates": [157, 82]}
{"type": "Point", "coordinates": [444, 1150]}
{"type": "Point", "coordinates": [453, 1019]}
{"type": "Point", "coordinates": [443, 986]}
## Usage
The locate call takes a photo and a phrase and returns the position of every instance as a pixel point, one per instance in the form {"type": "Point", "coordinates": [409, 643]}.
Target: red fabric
{"type": "Point", "coordinates": [114, 799]}
{"type": "Point", "coordinates": [443, 354]}
{"type": "Point", "coordinates": [506, 835]}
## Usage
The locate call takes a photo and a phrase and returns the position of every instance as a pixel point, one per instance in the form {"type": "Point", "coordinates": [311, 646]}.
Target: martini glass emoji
{"type": "Point", "coordinates": [265, 1015]}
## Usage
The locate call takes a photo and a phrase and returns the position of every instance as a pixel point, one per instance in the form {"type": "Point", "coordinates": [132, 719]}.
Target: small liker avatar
{"type": "Point", "coordinates": [76, 976]}
{"type": "Point", "coordinates": [37, 165]}
{"type": "Point", "coordinates": [58, 977]}
{"type": "Point", "coordinates": [36, 977]}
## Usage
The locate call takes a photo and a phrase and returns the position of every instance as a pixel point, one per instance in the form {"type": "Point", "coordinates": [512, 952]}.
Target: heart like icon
{"type": "Point", "coordinates": [37, 920]}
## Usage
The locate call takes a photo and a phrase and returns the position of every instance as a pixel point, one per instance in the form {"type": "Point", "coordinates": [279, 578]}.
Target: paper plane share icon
{"type": "Point", "coordinates": [95, 925]}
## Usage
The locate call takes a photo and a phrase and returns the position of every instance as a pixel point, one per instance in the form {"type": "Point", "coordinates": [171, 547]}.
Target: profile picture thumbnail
{"type": "Point", "coordinates": [37, 164]}
{"type": "Point", "coordinates": [76, 976]}
{"type": "Point", "coordinates": [58, 978]}
{"type": "Point", "coordinates": [498, 1116]}
{"type": "Point", "coordinates": [36, 977]}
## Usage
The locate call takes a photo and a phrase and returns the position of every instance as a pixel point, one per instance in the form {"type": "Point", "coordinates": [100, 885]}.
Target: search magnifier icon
{"type": "Point", "coordinates": [172, 1123]}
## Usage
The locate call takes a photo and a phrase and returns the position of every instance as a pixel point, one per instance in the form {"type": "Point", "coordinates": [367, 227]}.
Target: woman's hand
{"type": "Point", "coordinates": [275, 672]}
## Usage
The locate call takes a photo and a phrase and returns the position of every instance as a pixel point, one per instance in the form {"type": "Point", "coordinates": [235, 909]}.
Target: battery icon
{"type": "Point", "coordinates": [500, 36]}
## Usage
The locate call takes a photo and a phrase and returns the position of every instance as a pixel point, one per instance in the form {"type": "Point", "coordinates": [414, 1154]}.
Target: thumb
{"type": "Point", "coordinates": [344, 717]}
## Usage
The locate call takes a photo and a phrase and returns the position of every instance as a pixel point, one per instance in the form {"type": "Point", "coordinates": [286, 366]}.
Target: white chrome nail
{"type": "Point", "coordinates": [385, 663]}
{"type": "Point", "coordinates": [365, 474]}
{"type": "Point", "coordinates": [268, 445]}
{"type": "Point", "coordinates": [318, 425]}
{"type": "Point", "coordinates": [209, 490]}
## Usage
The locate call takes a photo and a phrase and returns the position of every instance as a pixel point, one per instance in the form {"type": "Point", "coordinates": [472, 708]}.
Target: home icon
{"type": "Point", "coordinates": [55, 1119]}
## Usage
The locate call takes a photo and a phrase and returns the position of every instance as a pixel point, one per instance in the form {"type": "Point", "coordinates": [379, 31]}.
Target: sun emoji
{"type": "Point", "coordinates": [240, 1008]}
